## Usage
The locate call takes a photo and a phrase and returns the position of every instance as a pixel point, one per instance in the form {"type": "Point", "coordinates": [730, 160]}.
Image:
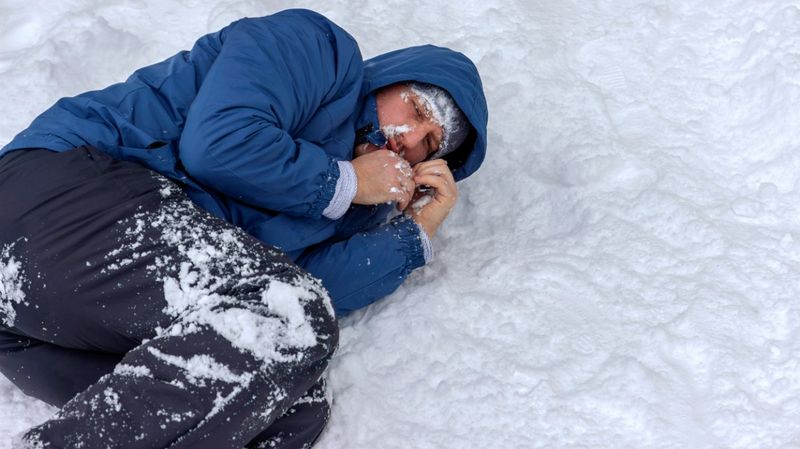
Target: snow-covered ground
{"type": "Point", "coordinates": [621, 273]}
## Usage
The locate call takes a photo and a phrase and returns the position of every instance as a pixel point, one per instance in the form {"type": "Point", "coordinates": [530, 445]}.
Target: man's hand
{"type": "Point", "coordinates": [383, 177]}
{"type": "Point", "coordinates": [430, 213]}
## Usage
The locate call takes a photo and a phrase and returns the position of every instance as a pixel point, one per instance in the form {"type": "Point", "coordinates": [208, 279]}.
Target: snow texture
{"type": "Point", "coordinates": [12, 282]}
{"type": "Point", "coordinates": [206, 276]}
{"type": "Point", "coordinates": [198, 368]}
{"type": "Point", "coordinates": [395, 130]}
{"type": "Point", "coordinates": [621, 273]}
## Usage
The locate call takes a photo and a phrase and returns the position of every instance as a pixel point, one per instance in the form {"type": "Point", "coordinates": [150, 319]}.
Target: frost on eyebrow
{"type": "Point", "coordinates": [396, 130]}
{"type": "Point", "coordinates": [442, 108]}
{"type": "Point", "coordinates": [424, 102]}
{"type": "Point", "coordinates": [12, 280]}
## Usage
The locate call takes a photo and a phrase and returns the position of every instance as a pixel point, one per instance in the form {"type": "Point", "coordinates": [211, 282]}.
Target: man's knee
{"type": "Point", "coordinates": [321, 316]}
{"type": "Point", "coordinates": [301, 425]}
{"type": "Point", "coordinates": [273, 318]}
{"type": "Point", "coordinates": [300, 301]}
{"type": "Point", "coordinates": [312, 315]}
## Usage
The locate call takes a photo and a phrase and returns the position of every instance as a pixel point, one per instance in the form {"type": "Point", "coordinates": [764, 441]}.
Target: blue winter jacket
{"type": "Point", "coordinates": [251, 123]}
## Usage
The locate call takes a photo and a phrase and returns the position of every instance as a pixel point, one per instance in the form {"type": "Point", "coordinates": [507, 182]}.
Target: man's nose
{"type": "Point", "coordinates": [412, 138]}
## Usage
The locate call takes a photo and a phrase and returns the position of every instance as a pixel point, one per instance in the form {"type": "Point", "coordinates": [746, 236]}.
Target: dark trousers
{"type": "Point", "coordinates": [150, 322]}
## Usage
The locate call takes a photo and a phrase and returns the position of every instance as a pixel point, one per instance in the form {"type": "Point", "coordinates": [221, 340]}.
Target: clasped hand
{"type": "Point", "coordinates": [383, 177]}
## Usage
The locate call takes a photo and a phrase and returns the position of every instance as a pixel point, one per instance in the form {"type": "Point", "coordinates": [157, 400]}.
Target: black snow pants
{"type": "Point", "coordinates": [148, 321]}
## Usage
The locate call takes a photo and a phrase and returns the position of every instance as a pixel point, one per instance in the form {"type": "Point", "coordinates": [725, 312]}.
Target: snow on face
{"type": "Point", "coordinates": [396, 130]}
{"type": "Point", "coordinates": [408, 126]}
{"type": "Point", "coordinates": [12, 281]}
{"type": "Point", "coordinates": [444, 112]}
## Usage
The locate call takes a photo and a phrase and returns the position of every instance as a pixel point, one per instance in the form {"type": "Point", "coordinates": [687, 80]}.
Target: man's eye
{"type": "Point", "coordinates": [416, 108]}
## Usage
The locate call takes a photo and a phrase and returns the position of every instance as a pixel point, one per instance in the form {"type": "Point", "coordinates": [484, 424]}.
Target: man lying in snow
{"type": "Point", "coordinates": [153, 322]}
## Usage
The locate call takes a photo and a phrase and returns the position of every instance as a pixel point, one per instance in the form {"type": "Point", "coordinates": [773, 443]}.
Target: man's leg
{"type": "Point", "coordinates": [54, 375]}
{"type": "Point", "coordinates": [300, 426]}
{"type": "Point", "coordinates": [222, 333]}
{"type": "Point", "coordinates": [48, 372]}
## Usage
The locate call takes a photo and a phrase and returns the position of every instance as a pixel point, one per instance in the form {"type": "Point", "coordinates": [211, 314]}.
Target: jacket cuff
{"type": "Point", "coordinates": [326, 190]}
{"type": "Point", "coordinates": [344, 192]}
{"type": "Point", "coordinates": [427, 245]}
{"type": "Point", "coordinates": [411, 243]}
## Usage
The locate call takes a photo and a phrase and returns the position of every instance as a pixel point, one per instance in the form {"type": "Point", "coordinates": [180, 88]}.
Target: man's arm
{"type": "Point", "coordinates": [274, 74]}
{"type": "Point", "coordinates": [368, 265]}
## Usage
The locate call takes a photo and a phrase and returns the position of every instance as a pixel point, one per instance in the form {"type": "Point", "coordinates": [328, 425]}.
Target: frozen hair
{"type": "Point", "coordinates": [446, 113]}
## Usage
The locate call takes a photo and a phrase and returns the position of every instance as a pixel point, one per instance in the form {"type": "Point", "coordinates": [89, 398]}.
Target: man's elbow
{"type": "Point", "coordinates": [196, 156]}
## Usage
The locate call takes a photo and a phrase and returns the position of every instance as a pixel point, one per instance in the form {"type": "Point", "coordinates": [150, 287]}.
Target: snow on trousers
{"type": "Point", "coordinates": [150, 322]}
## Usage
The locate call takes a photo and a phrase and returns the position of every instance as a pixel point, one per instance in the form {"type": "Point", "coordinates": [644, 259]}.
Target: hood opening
{"type": "Point", "coordinates": [457, 158]}
{"type": "Point", "coordinates": [449, 70]}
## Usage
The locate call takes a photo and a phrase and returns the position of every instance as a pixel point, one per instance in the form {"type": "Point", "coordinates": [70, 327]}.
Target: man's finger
{"type": "Point", "coordinates": [409, 186]}
{"type": "Point", "coordinates": [437, 182]}
{"type": "Point", "coordinates": [433, 163]}
{"type": "Point", "coordinates": [433, 170]}
{"type": "Point", "coordinates": [403, 204]}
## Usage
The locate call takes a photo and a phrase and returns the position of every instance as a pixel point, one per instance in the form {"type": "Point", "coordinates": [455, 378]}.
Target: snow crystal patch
{"type": "Point", "coordinates": [11, 283]}
{"type": "Point", "coordinates": [130, 370]}
{"type": "Point", "coordinates": [396, 130]}
{"type": "Point", "coordinates": [285, 300]}
{"type": "Point", "coordinates": [212, 262]}
{"type": "Point", "coordinates": [181, 293]}
{"type": "Point", "coordinates": [262, 336]}
{"type": "Point", "coordinates": [317, 396]}
{"type": "Point", "coordinates": [174, 416]}
{"type": "Point", "coordinates": [112, 399]}
{"type": "Point", "coordinates": [203, 366]}
{"type": "Point", "coordinates": [200, 368]}
{"type": "Point", "coordinates": [167, 188]}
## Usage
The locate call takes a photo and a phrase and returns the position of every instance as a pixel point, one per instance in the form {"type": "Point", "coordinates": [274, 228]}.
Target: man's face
{"type": "Point", "coordinates": [408, 124]}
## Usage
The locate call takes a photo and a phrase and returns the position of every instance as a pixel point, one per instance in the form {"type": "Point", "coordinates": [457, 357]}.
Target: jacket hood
{"type": "Point", "coordinates": [449, 70]}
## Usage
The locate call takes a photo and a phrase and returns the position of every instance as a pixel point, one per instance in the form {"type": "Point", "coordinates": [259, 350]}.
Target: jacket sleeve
{"type": "Point", "coordinates": [368, 265]}
{"type": "Point", "coordinates": [274, 76]}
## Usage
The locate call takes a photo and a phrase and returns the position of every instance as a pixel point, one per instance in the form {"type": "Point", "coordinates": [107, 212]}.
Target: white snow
{"type": "Point", "coordinates": [12, 281]}
{"type": "Point", "coordinates": [621, 273]}
{"type": "Point", "coordinates": [197, 296]}
{"type": "Point", "coordinates": [201, 367]}
{"type": "Point", "coordinates": [285, 301]}
{"type": "Point", "coordinates": [396, 130]}
{"type": "Point", "coordinates": [112, 399]}
{"type": "Point", "coordinates": [131, 370]}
